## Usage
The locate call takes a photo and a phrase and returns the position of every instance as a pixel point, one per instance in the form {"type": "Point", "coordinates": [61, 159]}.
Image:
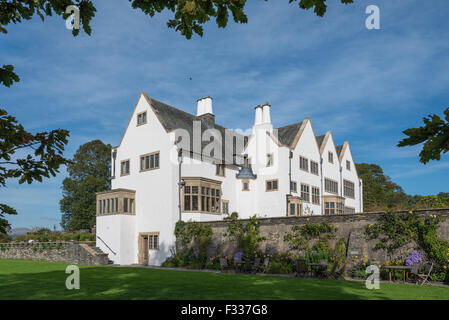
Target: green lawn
{"type": "Point", "coordinates": [20, 279]}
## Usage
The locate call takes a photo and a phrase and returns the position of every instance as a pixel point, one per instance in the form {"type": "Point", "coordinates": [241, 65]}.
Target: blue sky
{"type": "Point", "coordinates": [366, 86]}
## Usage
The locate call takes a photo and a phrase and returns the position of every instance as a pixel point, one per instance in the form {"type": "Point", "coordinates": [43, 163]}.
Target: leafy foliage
{"type": "Point", "coordinates": [42, 156]}
{"type": "Point", "coordinates": [394, 230]}
{"type": "Point", "coordinates": [310, 236]}
{"type": "Point", "coordinates": [193, 239]}
{"type": "Point", "coordinates": [434, 134]}
{"type": "Point", "coordinates": [246, 234]}
{"type": "Point", "coordinates": [7, 75]}
{"type": "Point", "coordinates": [89, 172]}
{"type": "Point", "coordinates": [379, 192]}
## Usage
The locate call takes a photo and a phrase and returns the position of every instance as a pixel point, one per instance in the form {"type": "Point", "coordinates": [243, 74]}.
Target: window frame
{"type": "Point", "coordinates": [307, 193]}
{"type": "Point", "coordinates": [332, 181]}
{"type": "Point", "coordinates": [301, 160]}
{"type": "Point", "coordinates": [271, 189]}
{"type": "Point", "coordinates": [346, 187]}
{"type": "Point", "coordinates": [144, 156]}
{"type": "Point", "coordinates": [121, 167]}
{"type": "Point", "coordinates": [143, 113]}
{"type": "Point", "coordinates": [295, 190]}
{"type": "Point", "coordinates": [220, 172]}
{"type": "Point", "coordinates": [314, 195]}
{"type": "Point", "coordinates": [348, 165]}
{"type": "Point", "coordinates": [206, 195]}
{"type": "Point", "coordinates": [330, 157]}
{"type": "Point", "coordinates": [317, 173]}
{"type": "Point", "coordinates": [245, 181]}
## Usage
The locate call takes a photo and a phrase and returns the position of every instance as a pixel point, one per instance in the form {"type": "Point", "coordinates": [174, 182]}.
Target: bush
{"type": "Point", "coordinates": [87, 237]}
{"type": "Point", "coordinates": [283, 263]}
{"type": "Point", "coordinates": [246, 234]}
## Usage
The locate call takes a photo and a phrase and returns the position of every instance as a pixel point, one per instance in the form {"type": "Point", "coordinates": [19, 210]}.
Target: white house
{"type": "Point", "coordinates": [172, 165]}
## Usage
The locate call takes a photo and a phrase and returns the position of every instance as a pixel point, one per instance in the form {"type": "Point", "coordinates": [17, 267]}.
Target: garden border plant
{"type": "Point", "coordinates": [311, 240]}
{"type": "Point", "coordinates": [192, 240]}
{"type": "Point", "coordinates": [396, 229]}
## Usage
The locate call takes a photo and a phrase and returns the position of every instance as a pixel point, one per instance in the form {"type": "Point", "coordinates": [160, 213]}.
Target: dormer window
{"type": "Point", "coordinates": [142, 118]}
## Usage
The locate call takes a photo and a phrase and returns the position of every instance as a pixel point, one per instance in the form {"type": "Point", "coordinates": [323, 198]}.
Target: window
{"type": "Point", "coordinates": [340, 208]}
{"type": "Point", "coordinates": [202, 195]}
{"type": "Point", "coordinates": [271, 185]}
{"type": "Point", "coordinates": [220, 170]}
{"type": "Point", "coordinates": [330, 186]}
{"type": "Point", "coordinates": [293, 186]}
{"type": "Point", "coordinates": [245, 185]}
{"type": "Point", "coordinates": [314, 167]}
{"type": "Point", "coordinates": [305, 192]}
{"type": "Point", "coordinates": [128, 205]}
{"type": "Point", "coordinates": [334, 205]}
{"type": "Point", "coordinates": [330, 157]}
{"type": "Point", "coordinates": [294, 206]}
{"type": "Point", "coordinates": [348, 189]}
{"type": "Point", "coordinates": [124, 168]}
{"type": "Point", "coordinates": [153, 241]}
{"type": "Point", "coordinates": [119, 201]}
{"type": "Point", "coordinates": [348, 165]}
{"type": "Point", "coordinates": [304, 164]}
{"type": "Point", "coordinates": [141, 118]}
{"type": "Point", "coordinates": [349, 210]}
{"type": "Point", "coordinates": [315, 195]}
{"type": "Point", "coordinates": [149, 161]}
{"type": "Point", "coordinates": [225, 206]}
{"type": "Point", "coordinates": [269, 159]}
{"type": "Point", "coordinates": [329, 208]}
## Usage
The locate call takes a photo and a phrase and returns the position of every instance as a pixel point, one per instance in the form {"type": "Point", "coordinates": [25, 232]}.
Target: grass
{"type": "Point", "coordinates": [24, 279]}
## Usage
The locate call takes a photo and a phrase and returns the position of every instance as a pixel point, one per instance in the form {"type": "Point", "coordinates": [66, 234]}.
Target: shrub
{"type": "Point", "coordinates": [246, 234]}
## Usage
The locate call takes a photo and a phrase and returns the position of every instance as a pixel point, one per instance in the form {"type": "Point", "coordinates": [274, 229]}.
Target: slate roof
{"type": "Point", "coordinates": [173, 118]}
{"type": "Point", "coordinates": [287, 134]}
{"type": "Point", "coordinates": [319, 140]}
{"type": "Point", "coordinates": [339, 148]}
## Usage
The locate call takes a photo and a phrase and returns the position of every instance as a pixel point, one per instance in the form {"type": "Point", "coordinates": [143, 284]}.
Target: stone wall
{"type": "Point", "coordinates": [70, 252]}
{"type": "Point", "coordinates": [351, 227]}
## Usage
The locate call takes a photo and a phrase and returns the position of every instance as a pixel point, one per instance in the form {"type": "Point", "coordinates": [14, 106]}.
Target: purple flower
{"type": "Point", "coordinates": [238, 255]}
{"type": "Point", "coordinates": [414, 257]}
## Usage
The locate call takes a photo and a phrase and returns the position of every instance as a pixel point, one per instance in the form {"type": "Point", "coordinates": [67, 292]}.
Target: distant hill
{"type": "Point", "coordinates": [18, 232]}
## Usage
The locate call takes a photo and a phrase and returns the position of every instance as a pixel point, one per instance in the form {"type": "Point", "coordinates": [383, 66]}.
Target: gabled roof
{"type": "Point", "coordinates": [287, 134]}
{"type": "Point", "coordinates": [339, 148]}
{"type": "Point", "coordinates": [173, 118]}
{"type": "Point", "coordinates": [319, 140]}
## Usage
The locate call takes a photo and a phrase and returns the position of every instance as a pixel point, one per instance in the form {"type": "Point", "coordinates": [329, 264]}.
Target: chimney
{"type": "Point", "coordinates": [204, 106]}
{"type": "Point", "coordinates": [204, 111]}
{"type": "Point", "coordinates": [266, 113]}
{"type": "Point", "coordinates": [258, 118]}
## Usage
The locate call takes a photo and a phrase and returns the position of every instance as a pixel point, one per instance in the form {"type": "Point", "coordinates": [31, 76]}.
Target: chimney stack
{"type": "Point", "coordinates": [266, 113]}
{"type": "Point", "coordinates": [258, 119]}
{"type": "Point", "coordinates": [204, 106]}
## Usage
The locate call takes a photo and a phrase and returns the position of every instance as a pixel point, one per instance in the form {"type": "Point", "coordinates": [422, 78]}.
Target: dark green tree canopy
{"type": "Point", "coordinates": [89, 172]}
{"type": "Point", "coordinates": [435, 135]}
{"type": "Point", "coordinates": [40, 156]}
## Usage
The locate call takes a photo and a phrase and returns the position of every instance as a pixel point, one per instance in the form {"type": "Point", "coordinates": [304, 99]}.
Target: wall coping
{"type": "Point", "coordinates": [47, 242]}
{"type": "Point", "coordinates": [355, 216]}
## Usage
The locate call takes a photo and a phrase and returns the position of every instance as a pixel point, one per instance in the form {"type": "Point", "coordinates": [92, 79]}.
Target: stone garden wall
{"type": "Point", "coordinates": [70, 252]}
{"type": "Point", "coordinates": [351, 227]}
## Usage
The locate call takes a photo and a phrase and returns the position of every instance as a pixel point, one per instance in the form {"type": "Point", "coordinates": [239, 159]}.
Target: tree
{"type": "Point", "coordinates": [40, 156]}
{"type": "Point", "coordinates": [434, 134]}
{"type": "Point", "coordinates": [89, 172]}
{"type": "Point", "coordinates": [379, 192]}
